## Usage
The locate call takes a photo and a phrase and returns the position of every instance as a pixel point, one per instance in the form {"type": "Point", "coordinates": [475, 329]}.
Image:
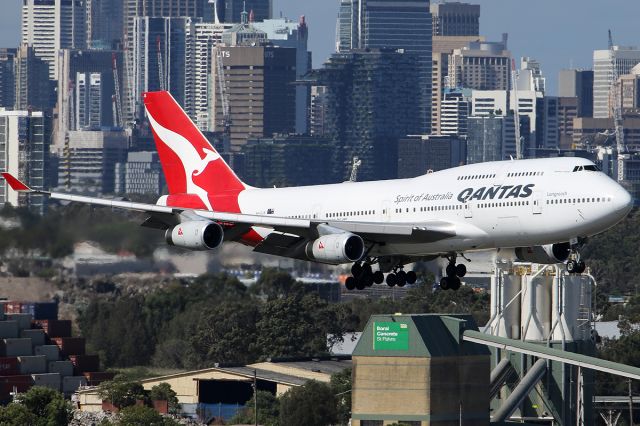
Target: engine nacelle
{"type": "Point", "coordinates": [196, 235]}
{"type": "Point", "coordinates": [547, 255]}
{"type": "Point", "coordinates": [336, 249]}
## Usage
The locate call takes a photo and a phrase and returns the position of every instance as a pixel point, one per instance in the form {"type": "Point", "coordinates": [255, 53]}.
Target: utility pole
{"type": "Point", "coordinates": [630, 404]}
{"type": "Point", "coordinates": [255, 397]}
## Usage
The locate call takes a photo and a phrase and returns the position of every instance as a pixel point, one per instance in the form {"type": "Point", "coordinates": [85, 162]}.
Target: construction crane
{"type": "Point", "coordinates": [160, 67]}
{"type": "Point", "coordinates": [118, 119]}
{"type": "Point", "coordinates": [516, 107]}
{"type": "Point", "coordinates": [224, 101]}
{"type": "Point", "coordinates": [617, 111]}
{"type": "Point", "coordinates": [354, 169]}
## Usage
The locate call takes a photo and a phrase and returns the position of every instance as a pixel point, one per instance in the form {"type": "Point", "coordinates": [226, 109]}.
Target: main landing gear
{"type": "Point", "coordinates": [399, 277]}
{"type": "Point", "coordinates": [454, 272]}
{"type": "Point", "coordinates": [363, 276]}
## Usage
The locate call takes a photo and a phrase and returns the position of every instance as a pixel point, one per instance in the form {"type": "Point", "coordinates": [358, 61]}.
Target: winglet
{"type": "Point", "coordinates": [15, 184]}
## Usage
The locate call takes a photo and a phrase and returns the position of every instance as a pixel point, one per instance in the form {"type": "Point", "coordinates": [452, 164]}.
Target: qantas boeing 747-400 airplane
{"type": "Point", "coordinates": [543, 208]}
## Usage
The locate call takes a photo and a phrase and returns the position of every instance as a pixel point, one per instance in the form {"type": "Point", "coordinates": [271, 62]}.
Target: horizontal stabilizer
{"type": "Point", "coordinates": [15, 184]}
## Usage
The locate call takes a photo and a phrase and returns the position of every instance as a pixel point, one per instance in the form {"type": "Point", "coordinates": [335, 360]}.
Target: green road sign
{"type": "Point", "coordinates": [390, 336]}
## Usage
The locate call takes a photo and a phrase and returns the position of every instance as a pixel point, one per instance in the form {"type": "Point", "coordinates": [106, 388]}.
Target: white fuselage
{"type": "Point", "coordinates": [496, 204]}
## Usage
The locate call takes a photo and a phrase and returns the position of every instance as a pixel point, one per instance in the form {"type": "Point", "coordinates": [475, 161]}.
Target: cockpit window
{"type": "Point", "coordinates": [589, 168]}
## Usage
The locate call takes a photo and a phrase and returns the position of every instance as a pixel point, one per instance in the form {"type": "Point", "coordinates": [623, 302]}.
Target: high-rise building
{"type": "Point", "coordinates": [625, 58]}
{"type": "Point", "coordinates": [286, 33]}
{"type": "Point", "coordinates": [88, 100]}
{"type": "Point", "coordinates": [33, 87]}
{"type": "Point", "coordinates": [24, 152]}
{"type": "Point", "coordinates": [490, 138]}
{"type": "Point", "coordinates": [371, 103]}
{"type": "Point", "coordinates": [418, 155]}
{"type": "Point", "coordinates": [546, 126]}
{"type": "Point", "coordinates": [629, 89]}
{"type": "Point", "coordinates": [162, 52]}
{"type": "Point", "coordinates": [443, 48]}
{"type": "Point", "coordinates": [86, 62]}
{"type": "Point", "coordinates": [232, 10]}
{"type": "Point", "coordinates": [456, 19]}
{"type": "Point", "coordinates": [133, 9]}
{"type": "Point", "coordinates": [567, 112]}
{"type": "Point", "coordinates": [207, 36]}
{"type": "Point", "coordinates": [51, 25]}
{"type": "Point", "coordinates": [105, 19]}
{"type": "Point", "coordinates": [481, 66]}
{"type": "Point", "coordinates": [577, 84]}
{"type": "Point", "coordinates": [318, 111]}
{"type": "Point", "coordinates": [456, 109]}
{"type": "Point", "coordinates": [260, 91]}
{"type": "Point", "coordinates": [398, 24]}
{"type": "Point", "coordinates": [7, 78]}
{"type": "Point", "coordinates": [141, 174]}
{"type": "Point", "coordinates": [348, 27]}
{"type": "Point", "coordinates": [530, 76]}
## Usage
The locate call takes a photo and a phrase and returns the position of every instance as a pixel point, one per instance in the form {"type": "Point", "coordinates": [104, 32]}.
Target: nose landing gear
{"type": "Point", "coordinates": [575, 265]}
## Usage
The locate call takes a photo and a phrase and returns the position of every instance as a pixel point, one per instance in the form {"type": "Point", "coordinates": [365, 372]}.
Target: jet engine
{"type": "Point", "coordinates": [546, 255]}
{"type": "Point", "coordinates": [335, 249]}
{"type": "Point", "coordinates": [195, 235]}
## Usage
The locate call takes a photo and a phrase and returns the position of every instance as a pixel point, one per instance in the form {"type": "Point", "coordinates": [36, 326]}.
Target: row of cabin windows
{"type": "Point", "coordinates": [429, 209]}
{"type": "Point", "coordinates": [476, 177]}
{"type": "Point", "coordinates": [349, 214]}
{"type": "Point", "coordinates": [518, 174]}
{"type": "Point", "coordinates": [503, 204]}
{"type": "Point", "coordinates": [579, 200]}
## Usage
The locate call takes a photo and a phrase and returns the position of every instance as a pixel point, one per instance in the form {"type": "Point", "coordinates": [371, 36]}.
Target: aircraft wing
{"type": "Point", "coordinates": [291, 232]}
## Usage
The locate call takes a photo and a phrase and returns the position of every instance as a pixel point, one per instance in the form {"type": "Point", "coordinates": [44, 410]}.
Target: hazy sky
{"type": "Point", "coordinates": [559, 33]}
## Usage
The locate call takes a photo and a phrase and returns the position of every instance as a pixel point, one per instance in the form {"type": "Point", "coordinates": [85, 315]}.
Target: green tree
{"type": "Point", "coordinates": [121, 392]}
{"type": "Point", "coordinates": [48, 405]}
{"type": "Point", "coordinates": [139, 415]}
{"type": "Point", "coordinates": [16, 414]}
{"type": "Point", "coordinates": [268, 410]}
{"type": "Point", "coordinates": [163, 392]}
{"type": "Point", "coordinates": [341, 388]}
{"type": "Point", "coordinates": [276, 284]}
{"type": "Point", "coordinates": [313, 404]}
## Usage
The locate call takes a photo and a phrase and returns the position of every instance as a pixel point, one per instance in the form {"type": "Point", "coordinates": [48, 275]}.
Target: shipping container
{"type": "Point", "coordinates": [64, 368]}
{"type": "Point", "coordinates": [84, 363]}
{"type": "Point", "coordinates": [33, 364]}
{"type": "Point", "coordinates": [41, 310]}
{"type": "Point", "coordinates": [50, 351]}
{"type": "Point", "coordinates": [94, 378]}
{"type": "Point", "coordinates": [71, 384]}
{"type": "Point", "coordinates": [37, 336]}
{"type": "Point", "coordinates": [48, 380]}
{"type": "Point", "coordinates": [15, 347]}
{"type": "Point", "coordinates": [24, 320]}
{"type": "Point", "coordinates": [9, 329]}
{"type": "Point", "coordinates": [13, 307]}
{"type": "Point", "coordinates": [9, 366]}
{"type": "Point", "coordinates": [54, 328]}
{"type": "Point", "coordinates": [70, 345]}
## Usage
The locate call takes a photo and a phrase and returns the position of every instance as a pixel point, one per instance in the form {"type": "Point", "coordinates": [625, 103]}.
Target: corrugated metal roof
{"type": "Point", "coordinates": [263, 375]}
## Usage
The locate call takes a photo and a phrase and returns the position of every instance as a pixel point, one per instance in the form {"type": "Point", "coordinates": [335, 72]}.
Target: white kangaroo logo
{"type": "Point", "coordinates": [192, 163]}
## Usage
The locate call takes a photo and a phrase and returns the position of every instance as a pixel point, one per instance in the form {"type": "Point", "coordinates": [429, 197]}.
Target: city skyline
{"type": "Point", "coordinates": [581, 26]}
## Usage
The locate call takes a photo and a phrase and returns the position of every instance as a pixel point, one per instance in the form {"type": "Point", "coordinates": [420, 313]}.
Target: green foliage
{"type": "Point", "coordinates": [276, 284]}
{"type": "Point", "coordinates": [47, 405]}
{"type": "Point", "coordinates": [341, 388]}
{"type": "Point", "coordinates": [16, 414]}
{"type": "Point", "coordinates": [268, 410]}
{"type": "Point", "coordinates": [139, 415]}
{"type": "Point", "coordinates": [121, 392]}
{"type": "Point", "coordinates": [313, 404]}
{"type": "Point", "coordinates": [163, 392]}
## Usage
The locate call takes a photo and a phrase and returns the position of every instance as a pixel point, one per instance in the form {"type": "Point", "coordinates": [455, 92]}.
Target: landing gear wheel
{"type": "Point", "coordinates": [356, 269]}
{"type": "Point", "coordinates": [350, 283]}
{"type": "Point", "coordinates": [368, 279]}
{"type": "Point", "coordinates": [378, 277]}
{"type": "Point", "coordinates": [444, 283]}
{"type": "Point", "coordinates": [451, 270]}
{"type": "Point", "coordinates": [392, 279]}
{"type": "Point", "coordinates": [455, 284]}
{"type": "Point", "coordinates": [580, 267]}
{"type": "Point", "coordinates": [572, 267]}
{"type": "Point", "coordinates": [461, 270]}
{"type": "Point", "coordinates": [360, 284]}
{"type": "Point", "coordinates": [411, 277]}
{"type": "Point", "coordinates": [402, 278]}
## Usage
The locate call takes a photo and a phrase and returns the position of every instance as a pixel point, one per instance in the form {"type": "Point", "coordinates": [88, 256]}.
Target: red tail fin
{"type": "Point", "coordinates": [190, 164]}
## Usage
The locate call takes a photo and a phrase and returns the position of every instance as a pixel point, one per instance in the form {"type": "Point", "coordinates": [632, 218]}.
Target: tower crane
{"type": "Point", "coordinates": [617, 112]}
{"type": "Point", "coordinates": [160, 67]}
{"type": "Point", "coordinates": [224, 101]}
{"type": "Point", "coordinates": [516, 113]}
{"type": "Point", "coordinates": [354, 169]}
{"type": "Point", "coordinates": [118, 119]}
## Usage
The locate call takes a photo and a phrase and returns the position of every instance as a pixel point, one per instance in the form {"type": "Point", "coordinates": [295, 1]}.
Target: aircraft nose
{"type": "Point", "coordinates": [623, 200]}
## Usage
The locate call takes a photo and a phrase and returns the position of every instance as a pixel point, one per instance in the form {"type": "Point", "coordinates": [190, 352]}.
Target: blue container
{"type": "Point", "coordinates": [41, 310]}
